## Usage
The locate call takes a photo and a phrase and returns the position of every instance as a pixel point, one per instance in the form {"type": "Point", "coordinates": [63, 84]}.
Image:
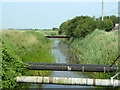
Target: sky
{"type": "Point", "coordinates": [58, 0]}
{"type": "Point", "coordinates": [46, 15]}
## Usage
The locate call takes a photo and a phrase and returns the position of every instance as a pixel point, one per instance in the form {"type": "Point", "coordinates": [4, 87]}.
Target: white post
{"type": "Point", "coordinates": [68, 81]}
{"type": "Point", "coordinates": [102, 10]}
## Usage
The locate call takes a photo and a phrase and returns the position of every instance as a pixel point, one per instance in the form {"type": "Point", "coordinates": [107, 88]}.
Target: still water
{"type": "Point", "coordinates": [62, 54]}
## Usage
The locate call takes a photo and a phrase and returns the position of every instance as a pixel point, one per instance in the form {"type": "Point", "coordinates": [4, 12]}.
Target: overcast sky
{"type": "Point", "coordinates": [46, 15]}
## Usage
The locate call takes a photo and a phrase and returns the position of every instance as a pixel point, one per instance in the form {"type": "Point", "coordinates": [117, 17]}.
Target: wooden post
{"type": "Point", "coordinates": [68, 81]}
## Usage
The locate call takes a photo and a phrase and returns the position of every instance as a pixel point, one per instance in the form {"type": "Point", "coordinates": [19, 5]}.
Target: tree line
{"type": "Point", "coordinates": [80, 26]}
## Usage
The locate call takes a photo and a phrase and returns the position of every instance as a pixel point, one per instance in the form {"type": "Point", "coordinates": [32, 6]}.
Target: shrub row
{"type": "Point", "coordinates": [80, 26]}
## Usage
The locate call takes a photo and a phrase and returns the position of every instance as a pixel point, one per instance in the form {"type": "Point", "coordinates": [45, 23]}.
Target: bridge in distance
{"type": "Point", "coordinates": [57, 36]}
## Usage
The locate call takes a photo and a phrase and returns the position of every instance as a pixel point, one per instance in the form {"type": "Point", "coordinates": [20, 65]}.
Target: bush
{"type": "Point", "coordinates": [80, 26]}
{"type": "Point", "coordinates": [10, 68]}
{"type": "Point", "coordinates": [106, 25]}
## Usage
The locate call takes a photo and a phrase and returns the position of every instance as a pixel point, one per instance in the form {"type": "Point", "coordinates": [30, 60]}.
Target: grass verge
{"type": "Point", "coordinates": [23, 46]}
{"type": "Point", "coordinates": [100, 47]}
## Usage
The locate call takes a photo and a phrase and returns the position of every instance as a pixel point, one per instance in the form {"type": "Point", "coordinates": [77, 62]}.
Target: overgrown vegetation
{"type": "Point", "coordinates": [55, 29]}
{"type": "Point", "coordinates": [100, 47]}
{"type": "Point", "coordinates": [48, 32]}
{"type": "Point", "coordinates": [23, 46]}
{"type": "Point", "coordinates": [93, 40]}
{"type": "Point", "coordinates": [11, 67]}
{"type": "Point", "coordinates": [80, 26]}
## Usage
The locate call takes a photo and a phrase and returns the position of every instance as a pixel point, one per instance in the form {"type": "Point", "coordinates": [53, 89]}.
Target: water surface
{"type": "Point", "coordinates": [62, 54]}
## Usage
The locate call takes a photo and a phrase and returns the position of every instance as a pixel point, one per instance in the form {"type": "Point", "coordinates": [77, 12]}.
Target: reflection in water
{"type": "Point", "coordinates": [62, 53]}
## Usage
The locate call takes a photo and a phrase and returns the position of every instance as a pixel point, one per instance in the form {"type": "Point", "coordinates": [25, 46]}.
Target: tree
{"type": "Point", "coordinates": [54, 29]}
{"type": "Point", "coordinates": [108, 25]}
{"type": "Point", "coordinates": [80, 26]}
{"type": "Point", "coordinates": [64, 27]}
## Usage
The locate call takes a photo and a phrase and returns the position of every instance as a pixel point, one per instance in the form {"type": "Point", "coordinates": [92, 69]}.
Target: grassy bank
{"type": "Point", "coordinates": [48, 32]}
{"type": "Point", "coordinates": [100, 47]}
{"type": "Point", "coordinates": [24, 46]}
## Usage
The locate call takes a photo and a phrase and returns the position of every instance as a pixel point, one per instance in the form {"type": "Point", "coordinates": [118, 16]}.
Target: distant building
{"type": "Point", "coordinates": [117, 26]}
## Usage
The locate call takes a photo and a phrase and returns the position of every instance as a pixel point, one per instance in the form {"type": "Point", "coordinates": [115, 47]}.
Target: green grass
{"type": "Point", "coordinates": [100, 47]}
{"type": "Point", "coordinates": [27, 46]}
{"type": "Point", "coordinates": [48, 32]}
